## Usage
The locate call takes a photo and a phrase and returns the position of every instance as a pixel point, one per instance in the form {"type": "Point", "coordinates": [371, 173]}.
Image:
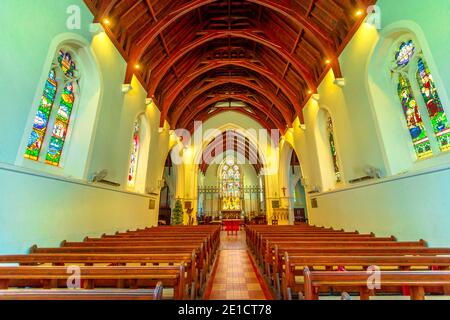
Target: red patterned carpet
{"type": "Point", "coordinates": [235, 276]}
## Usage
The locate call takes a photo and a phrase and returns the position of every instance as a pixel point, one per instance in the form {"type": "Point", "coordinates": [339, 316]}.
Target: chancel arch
{"type": "Point", "coordinates": [230, 188]}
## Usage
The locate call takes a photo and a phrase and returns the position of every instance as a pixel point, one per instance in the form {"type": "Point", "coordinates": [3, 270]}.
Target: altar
{"type": "Point", "coordinates": [231, 215]}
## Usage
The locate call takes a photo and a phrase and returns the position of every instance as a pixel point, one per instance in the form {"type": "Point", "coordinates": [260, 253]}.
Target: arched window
{"type": "Point", "coordinates": [135, 146]}
{"type": "Point", "coordinates": [65, 73]}
{"type": "Point", "coordinates": [333, 150]}
{"type": "Point", "coordinates": [413, 118]}
{"type": "Point", "coordinates": [410, 66]}
{"type": "Point", "coordinates": [436, 112]}
{"type": "Point", "coordinates": [231, 185]}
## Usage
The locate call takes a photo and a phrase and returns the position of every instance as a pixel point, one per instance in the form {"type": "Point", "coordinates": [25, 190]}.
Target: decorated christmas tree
{"type": "Point", "coordinates": [177, 214]}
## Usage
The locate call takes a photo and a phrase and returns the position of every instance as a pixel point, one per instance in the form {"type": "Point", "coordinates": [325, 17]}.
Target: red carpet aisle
{"type": "Point", "coordinates": [235, 277]}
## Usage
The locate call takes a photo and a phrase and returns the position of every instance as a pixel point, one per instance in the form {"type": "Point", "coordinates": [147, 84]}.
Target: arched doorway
{"type": "Point", "coordinates": [299, 193]}
{"type": "Point", "coordinates": [165, 201]}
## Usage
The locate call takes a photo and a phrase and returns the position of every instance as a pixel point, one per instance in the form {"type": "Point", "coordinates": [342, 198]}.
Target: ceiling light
{"type": "Point", "coordinates": [106, 21]}
{"type": "Point", "coordinates": [359, 13]}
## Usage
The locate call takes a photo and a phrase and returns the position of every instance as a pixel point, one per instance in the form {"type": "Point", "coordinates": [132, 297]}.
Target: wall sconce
{"type": "Point", "coordinates": [302, 126]}
{"type": "Point", "coordinates": [316, 97]}
{"type": "Point", "coordinates": [340, 82]}
{"type": "Point", "coordinates": [96, 28]}
{"type": "Point", "coordinates": [126, 88]}
{"type": "Point", "coordinates": [160, 129]}
{"type": "Point", "coordinates": [148, 101]}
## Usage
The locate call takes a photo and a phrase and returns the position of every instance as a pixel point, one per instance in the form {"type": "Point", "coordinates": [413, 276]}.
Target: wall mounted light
{"type": "Point", "coordinates": [340, 82]}
{"type": "Point", "coordinates": [96, 28]}
{"type": "Point", "coordinates": [126, 87]}
{"type": "Point", "coordinates": [148, 101]}
{"type": "Point", "coordinates": [316, 97]}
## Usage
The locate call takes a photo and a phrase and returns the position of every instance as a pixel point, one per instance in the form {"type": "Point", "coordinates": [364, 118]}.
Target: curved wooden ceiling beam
{"type": "Point", "coordinates": [285, 111]}
{"type": "Point", "coordinates": [325, 41]}
{"type": "Point", "coordinates": [240, 145]}
{"type": "Point", "coordinates": [208, 36]}
{"type": "Point", "coordinates": [148, 37]}
{"type": "Point", "coordinates": [105, 9]}
{"type": "Point", "coordinates": [204, 115]}
{"type": "Point", "coordinates": [219, 98]}
{"type": "Point", "coordinates": [212, 65]}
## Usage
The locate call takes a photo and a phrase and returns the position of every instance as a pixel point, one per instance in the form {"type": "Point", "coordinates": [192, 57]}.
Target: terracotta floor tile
{"type": "Point", "coordinates": [235, 278]}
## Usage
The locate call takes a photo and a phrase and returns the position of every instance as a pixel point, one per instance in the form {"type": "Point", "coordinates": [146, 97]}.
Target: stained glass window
{"type": "Point", "coordinates": [405, 70]}
{"type": "Point", "coordinates": [413, 117]}
{"type": "Point", "coordinates": [63, 70]}
{"type": "Point", "coordinates": [333, 150]}
{"type": "Point", "coordinates": [436, 112]}
{"type": "Point", "coordinates": [40, 124]}
{"type": "Point", "coordinates": [134, 155]}
{"type": "Point", "coordinates": [405, 53]}
{"type": "Point", "coordinates": [62, 120]}
{"type": "Point", "coordinates": [231, 185]}
{"type": "Point", "coordinates": [66, 63]}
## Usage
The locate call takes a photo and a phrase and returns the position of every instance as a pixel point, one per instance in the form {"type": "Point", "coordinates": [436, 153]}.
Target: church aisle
{"type": "Point", "coordinates": [235, 276]}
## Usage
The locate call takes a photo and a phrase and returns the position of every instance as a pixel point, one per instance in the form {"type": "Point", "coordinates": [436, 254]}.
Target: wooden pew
{"type": "Point", "coordinates": [301, 237]}
{"type": "Point", "coordinates": [277, 259]}
{"type": "Point", "coordinates": [82, 294]}
{"type": "Point", "coordinates": [192, 278]}
{"type": "Point", "coordinates": [416, 281]}
{"type": "Point", "coordinates": [200, 262]}
{"type": "Point", "coordinates": [211, 244]}
{"type": "Point", "coordinates": [294, 266]}
{"type": "Point", "coordinates": [96, 277]}
{"type": "Point", "coordinates": [161, 248]}
{"type": "Point", "coordinates": [267, 254]}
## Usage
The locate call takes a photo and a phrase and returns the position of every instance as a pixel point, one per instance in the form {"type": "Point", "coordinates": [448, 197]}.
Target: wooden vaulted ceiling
{"type": "Point", "coordinates": [192, 54]}
{"type": "Point", "coordinates": [231, 141]}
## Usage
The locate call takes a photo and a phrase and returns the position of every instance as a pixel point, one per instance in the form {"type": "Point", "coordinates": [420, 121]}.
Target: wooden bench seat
{"type": "Point", "coordinates": [82, 294]}
{"type": "Point", "coordinates": [192, 278]}
{"type": "Point", "coordinates": [132, 260]}
{"type": "Point", "coordinates": [275, 262]}
{"type": "Point", "coordinates": [416, 281]}
{"type": "Point", "coordinates": [201, 261]}
{"type": "Point", "coordinates": [294, 267]}
{"type": "Point", "coordinates": [96, 277]}
{"type": "Point", "coordinates": [266, 255]}
{"type": "Point", "coordinates": [322, 237]}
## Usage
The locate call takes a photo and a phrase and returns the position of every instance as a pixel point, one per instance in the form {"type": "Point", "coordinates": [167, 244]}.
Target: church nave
{"type": "Point", "coordinates": [235, 275]}
{"type": "Point", "coordinates": [194, 151]}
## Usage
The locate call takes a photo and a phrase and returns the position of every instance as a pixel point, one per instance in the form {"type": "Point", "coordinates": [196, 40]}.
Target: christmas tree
{"type": "Point", "coordinates": [177, 214]}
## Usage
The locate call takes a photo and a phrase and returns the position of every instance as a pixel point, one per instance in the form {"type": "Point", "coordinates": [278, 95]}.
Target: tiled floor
{"type": "Point", "coordinates": [235, 276]}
